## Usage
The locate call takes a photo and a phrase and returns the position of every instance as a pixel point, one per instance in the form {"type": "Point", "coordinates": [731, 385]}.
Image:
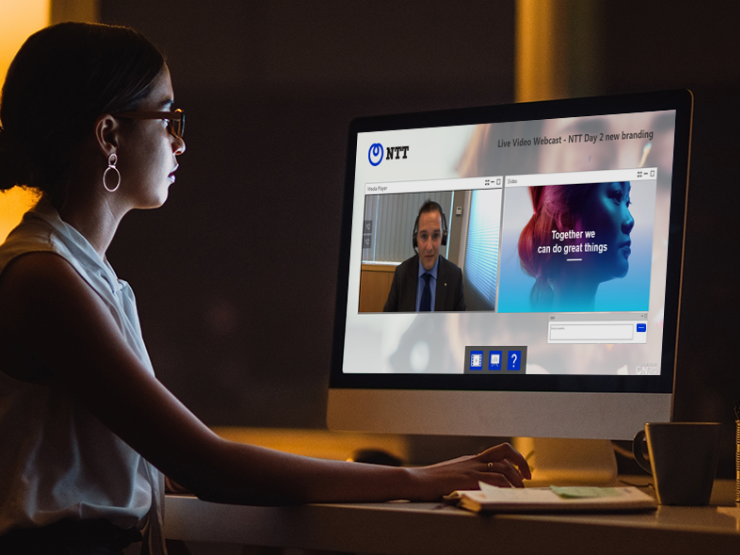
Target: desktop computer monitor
{"type": "Point", "coordinates": [555, 243]}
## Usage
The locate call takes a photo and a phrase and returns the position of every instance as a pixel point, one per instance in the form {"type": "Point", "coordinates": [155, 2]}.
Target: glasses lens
{"type": "Point", "coordinates": [177, 124]}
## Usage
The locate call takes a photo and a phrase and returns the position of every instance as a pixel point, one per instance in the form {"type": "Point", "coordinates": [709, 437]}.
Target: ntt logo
{"type": "Point", "coordinates": [375, 153]}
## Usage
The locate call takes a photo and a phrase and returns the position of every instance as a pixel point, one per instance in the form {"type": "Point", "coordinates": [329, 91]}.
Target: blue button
{"type": "Point", "coordinates": [476, 360]}
{"type": "Point", "coordinates": [514, 359]}
{"type": "Point", "coordinates": [641, 327]}
{"type": "Point", "coordinates": [494, 360]}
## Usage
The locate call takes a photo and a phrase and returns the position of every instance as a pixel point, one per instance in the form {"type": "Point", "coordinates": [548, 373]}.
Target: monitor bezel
{"type": "Point", "coordinates": [679, 100]}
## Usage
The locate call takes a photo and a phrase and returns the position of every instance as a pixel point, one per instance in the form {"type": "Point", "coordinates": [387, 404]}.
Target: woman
{"type": "Point", "coordinates": [577, 238]}
{"type": "Point", "coordinates": [87, 120]}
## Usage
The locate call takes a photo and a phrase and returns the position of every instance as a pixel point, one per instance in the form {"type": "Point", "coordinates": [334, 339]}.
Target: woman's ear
{"type": "Point", "coordinates": [107, 129]}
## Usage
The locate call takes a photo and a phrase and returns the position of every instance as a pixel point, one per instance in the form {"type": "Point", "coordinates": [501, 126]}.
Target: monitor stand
{"type": "Point", "coordinates": [563, 462]}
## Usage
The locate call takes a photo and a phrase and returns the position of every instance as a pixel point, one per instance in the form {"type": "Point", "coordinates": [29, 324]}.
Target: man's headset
{"type": "Point", "coordinates": [430, 206]}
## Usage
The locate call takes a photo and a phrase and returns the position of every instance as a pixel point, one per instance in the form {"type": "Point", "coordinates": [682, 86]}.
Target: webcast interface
{"type": "Point", "coordinates": [533, 247]}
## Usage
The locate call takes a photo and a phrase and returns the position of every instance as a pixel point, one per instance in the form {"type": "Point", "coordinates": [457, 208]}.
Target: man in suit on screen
{"type": "Point", "coordinates": [427, 282]}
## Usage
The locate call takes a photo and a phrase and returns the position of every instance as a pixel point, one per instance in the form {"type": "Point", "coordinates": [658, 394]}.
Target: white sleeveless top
{"type": "Point", "coordinates": [56, 459]}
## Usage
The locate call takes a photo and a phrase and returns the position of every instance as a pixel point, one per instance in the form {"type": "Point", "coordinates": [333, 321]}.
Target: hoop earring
{"type": "Point", "coordinates": [112, 161]}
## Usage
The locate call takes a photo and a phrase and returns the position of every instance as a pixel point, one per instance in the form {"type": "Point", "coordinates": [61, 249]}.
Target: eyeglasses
{"type": "Point", "coordinates": [175, 120]}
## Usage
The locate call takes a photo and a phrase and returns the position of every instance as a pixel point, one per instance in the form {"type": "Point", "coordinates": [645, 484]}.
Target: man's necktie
{"type": "Point", "coordinates": [426, 295]}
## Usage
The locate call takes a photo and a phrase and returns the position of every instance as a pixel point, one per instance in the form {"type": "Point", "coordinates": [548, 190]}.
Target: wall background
{"type": "Point", "coordinates": [235, 276]}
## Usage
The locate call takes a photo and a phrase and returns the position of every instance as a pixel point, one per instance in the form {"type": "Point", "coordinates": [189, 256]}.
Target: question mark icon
{"type": "Point", "coordinates": [515, 360]}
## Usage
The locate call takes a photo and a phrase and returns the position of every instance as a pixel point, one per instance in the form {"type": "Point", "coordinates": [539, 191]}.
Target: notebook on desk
{"type": "Point", "coordinates": [494, 499]}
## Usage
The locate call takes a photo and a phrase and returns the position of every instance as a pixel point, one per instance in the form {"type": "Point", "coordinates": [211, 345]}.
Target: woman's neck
{"type": "Point", "coordinates": [94, 217]}
{"type": "Point", "coordinates": [574, 294]}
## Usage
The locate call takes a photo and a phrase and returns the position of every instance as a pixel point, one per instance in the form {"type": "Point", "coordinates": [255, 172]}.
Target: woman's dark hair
{"type": "Point", "coordinates": [556, 208]}
{"type": "Point", "coordinates": [62, 79]}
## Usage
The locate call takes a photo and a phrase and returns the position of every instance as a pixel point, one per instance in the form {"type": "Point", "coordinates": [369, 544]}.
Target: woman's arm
{"type": "Point", "coordinates": [49, 310]}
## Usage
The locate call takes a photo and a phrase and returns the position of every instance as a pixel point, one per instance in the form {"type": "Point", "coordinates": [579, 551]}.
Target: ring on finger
{"type": "Point", "coordinates": [490, 467]}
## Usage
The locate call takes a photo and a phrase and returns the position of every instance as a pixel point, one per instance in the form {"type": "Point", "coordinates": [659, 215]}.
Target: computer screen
{"type": "Point", "coordinates": [551, 235]}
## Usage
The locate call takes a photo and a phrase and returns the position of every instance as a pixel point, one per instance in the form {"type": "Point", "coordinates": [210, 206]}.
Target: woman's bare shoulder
{"type": "Point", "coordinates": [49, 310]}
{"type": "Point", "coordinates": [34, 266]}
{"type": "Point", "coordinates": [37, 285]}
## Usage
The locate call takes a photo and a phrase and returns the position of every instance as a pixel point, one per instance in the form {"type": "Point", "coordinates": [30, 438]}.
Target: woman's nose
{"type": "Point", "coordinates": [180, 146]}
{"type": "Point", "coordinates": [628, 223]}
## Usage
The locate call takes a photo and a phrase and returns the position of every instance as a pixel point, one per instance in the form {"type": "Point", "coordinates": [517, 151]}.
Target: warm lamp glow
{"type": "Point", "coordinates": [538, 73]}
{"type": "Point", "coordinates": [18, 20]}
{"type": "Point", "coordinates": [557, 49]}
{"type": "Point", "coordinates": [13, 204]}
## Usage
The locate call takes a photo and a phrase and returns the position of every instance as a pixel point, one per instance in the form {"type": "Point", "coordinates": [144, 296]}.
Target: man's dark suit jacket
{"type": "Point", "coordinates": [448, 296]}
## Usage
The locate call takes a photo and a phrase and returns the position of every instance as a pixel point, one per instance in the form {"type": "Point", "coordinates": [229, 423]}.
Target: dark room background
{"type": "Point", "coordinates": [236, 275]}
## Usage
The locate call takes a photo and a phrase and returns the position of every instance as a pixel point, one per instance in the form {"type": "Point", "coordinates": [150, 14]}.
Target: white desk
{"type": "Point", "coordinates": [433, 528]}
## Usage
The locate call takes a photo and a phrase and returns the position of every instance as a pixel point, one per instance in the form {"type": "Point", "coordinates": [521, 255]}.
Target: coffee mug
{"type": "Point", "coordinates": [683, 459]}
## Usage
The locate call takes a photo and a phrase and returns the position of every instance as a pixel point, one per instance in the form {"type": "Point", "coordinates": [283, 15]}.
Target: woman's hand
{"type": "Point", "coordinates": [501, 465]}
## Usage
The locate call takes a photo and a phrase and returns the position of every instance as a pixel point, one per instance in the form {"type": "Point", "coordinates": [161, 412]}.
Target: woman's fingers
{"type": "Point", "coordinates": [497, 479]}
{"type": "Point", "coordinates": [505, 452]}
{"type": "Point", "coordinates": [505, 469]}
{"type": "Point", "coordinates": [501, 466]}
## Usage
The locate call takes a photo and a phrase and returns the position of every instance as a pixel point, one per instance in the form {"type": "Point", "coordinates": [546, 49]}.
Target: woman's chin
{"type": "Point", "coordinates": [621, 271]}
{"type": "Point", "coordinates": [155, 202]}
{"type": "Point", "coordinates": [161, 197]}
{"type": "Point", "coordinates": [625, 268]}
